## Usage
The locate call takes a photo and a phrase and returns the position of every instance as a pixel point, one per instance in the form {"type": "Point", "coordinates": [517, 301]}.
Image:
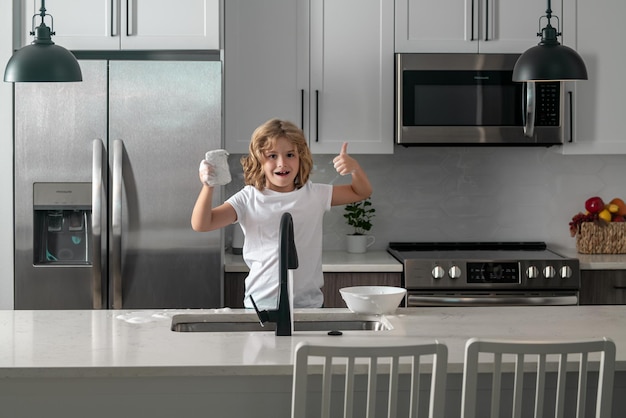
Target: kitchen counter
{"type": "Point", "coordinates": [129, 363]}
{"type": "Point", "coordinates": [132, 343]}
{"type": "Point", "coordinates": [594, 261]}
{"type": "Point", "coordinates": [334, 262]}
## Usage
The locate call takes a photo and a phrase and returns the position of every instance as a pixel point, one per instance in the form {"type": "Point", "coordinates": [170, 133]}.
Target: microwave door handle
{"type": "Point", "coordinates": [96, 223]}
{"type": "Point", "coordinates": [529, 109]}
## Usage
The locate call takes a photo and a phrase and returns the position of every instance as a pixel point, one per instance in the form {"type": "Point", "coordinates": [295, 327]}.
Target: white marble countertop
{"type": "Point", "coordinates": [594, 261]}
{"type": "Point", "coordinates": [334, 262]}
{"type": "Point", "coordinates": [140, 343]}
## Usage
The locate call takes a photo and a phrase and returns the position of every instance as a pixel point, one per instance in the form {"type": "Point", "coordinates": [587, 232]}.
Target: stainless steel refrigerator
{"type": "Point", "coordinates": [105, 182]}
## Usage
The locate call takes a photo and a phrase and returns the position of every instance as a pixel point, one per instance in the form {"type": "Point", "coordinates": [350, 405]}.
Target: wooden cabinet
{"type": "Point", "coordinates": [234, 286]}
{"type": "Point", "coordinates": [599, 101]}
{"type": "Point", "coordinates": [129, 25]}
{"type": "Point", "coordinates": [234, 289]}
{"type": "Point", "coordinates": [335, 281]}
{"type": "Point", "coordinates": [325, 65]}
{"type": "Point", "coordinates": [485, 26]}
{"type": "Point", "coordinates": [603, 287]}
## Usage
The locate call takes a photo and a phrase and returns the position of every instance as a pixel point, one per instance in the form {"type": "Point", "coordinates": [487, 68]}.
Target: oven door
{"type": "Point", "coordinates": [491, 298]}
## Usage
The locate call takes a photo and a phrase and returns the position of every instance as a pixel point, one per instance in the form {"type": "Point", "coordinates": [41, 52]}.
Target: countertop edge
{"type": "Point", "coordinates": [334, 262]}
{"type": "Point", "coordinates": [143, 371]}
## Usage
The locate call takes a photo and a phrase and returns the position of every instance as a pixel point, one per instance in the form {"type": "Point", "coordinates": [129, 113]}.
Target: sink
{"type": "Point", "coordinates": [250, 323]}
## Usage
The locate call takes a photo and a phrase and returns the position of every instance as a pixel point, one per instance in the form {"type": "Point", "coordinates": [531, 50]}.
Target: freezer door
{"type": "Point", "coordinates": [55, 125]}
{"type": "Point", "coordinates": [164, 116]}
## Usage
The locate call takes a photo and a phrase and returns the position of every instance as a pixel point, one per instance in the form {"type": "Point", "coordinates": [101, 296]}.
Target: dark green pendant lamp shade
{"type": "Point", "coordinates": [42, 60]}
{"type": "Point", "coordinates": [549, 61]}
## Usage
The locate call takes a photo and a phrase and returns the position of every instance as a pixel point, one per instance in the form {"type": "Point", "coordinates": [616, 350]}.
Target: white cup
{"type": "Point", "coordinates": [357, 244]}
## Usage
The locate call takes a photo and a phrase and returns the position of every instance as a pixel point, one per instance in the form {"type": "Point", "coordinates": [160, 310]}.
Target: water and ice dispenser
{"type": "Point", "coordinates": [62, 231]}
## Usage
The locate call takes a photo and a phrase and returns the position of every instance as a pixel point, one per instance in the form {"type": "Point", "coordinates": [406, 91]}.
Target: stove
{"type": "Point", "coordinates": [486, 273]}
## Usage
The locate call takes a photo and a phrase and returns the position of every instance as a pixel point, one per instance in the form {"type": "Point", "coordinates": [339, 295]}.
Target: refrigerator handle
{"type": "Point", "coordinates": [96, 223]}
{"type": "Point", "coordinates": [116, 220]}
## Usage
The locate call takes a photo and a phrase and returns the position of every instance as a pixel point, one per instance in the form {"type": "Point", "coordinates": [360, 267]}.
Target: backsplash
{"type": "Point", "coordinates": [470, 193]}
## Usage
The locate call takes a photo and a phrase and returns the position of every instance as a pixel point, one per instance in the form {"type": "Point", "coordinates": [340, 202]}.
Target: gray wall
{"type": "Point", "coordinates": [471, 194]}
{"type": "Point", "coordinates": [6, 159]}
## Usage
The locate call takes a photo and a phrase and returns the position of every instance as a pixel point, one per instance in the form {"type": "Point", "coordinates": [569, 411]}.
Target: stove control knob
{"type": "Point", "coordinates": [438, 272]}
{"type": "Point", "coordinates": [565, 272]}
{"type": "Point", "coordinates": [532, 272]}
{"type": "Point", "coordinates": [454, 272]}
{"type": "Point", "coordinates": [549, 272]}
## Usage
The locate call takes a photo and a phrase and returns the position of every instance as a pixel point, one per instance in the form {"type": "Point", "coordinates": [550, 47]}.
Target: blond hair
{"type": "Point", "coordinates": [263, 139]}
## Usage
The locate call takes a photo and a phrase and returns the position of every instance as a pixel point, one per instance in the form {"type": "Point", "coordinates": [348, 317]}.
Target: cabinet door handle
{"type": "Point", "coordinates": [129, 17]}
{"type": "Point", "coordinates": [619, 283]}
{"type": "Point", "coordinates": [317, 116]}
{"type": "Point", "coordinates": [486, 22]}
{"type": "Point", "coordinates": [472, 38]}
{"type": "Point", "coordinates": [115, 14]}
{"type": "Point", "coordinates": [302, 109]}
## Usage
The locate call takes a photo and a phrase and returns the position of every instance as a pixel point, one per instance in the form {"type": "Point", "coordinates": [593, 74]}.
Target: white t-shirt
{"type": "Point", "coordinates": [259, 214]}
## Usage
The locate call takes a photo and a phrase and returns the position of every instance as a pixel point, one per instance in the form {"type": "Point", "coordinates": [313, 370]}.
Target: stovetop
{"type": "Point", "coordinates": [479, 265]}
{"type": "Point", "coordinates": [513, 251]}
{"type": "Point", "coordinates": [471, 245]}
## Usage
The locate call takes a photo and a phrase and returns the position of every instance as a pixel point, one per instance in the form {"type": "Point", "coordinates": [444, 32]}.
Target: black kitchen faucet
{"type": "Point", "coordinates": [288, 260]}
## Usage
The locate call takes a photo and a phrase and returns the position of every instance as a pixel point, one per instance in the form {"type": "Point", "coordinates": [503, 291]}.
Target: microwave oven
{"type": "Point", "coordinates": [470, 99]}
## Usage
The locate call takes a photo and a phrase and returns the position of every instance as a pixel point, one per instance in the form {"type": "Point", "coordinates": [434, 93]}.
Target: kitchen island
{"type": "Point", "coordinates": [129, 363]}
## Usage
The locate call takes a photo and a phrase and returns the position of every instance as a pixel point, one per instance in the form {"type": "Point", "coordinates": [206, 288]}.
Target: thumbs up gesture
{"type": "Point", "coordinates": [344, 164]}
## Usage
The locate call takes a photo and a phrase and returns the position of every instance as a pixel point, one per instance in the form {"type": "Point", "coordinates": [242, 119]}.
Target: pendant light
{"type": "Point", "coordinates": [42, 60]}
{"type": "Point", "coordinates": [549, 61]}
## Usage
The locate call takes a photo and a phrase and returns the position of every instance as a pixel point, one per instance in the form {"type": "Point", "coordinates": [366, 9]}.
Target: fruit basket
{"type": "Point", "coordinates": [601, 229]}
{"type": "Point", "coordinates": [599, 238]}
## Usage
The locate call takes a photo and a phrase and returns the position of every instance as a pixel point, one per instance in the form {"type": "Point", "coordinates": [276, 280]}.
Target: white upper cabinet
{"type": "Point", "coordinates": [260, 67]}
{"type": "Point", "coordinates": [129, 24]}
{"type": "Point", "coordinates": [484, 26]}
{"type": "Point", "coordinates": [599, 108]}
{"type": "Point", "coordinates": [325, 65]}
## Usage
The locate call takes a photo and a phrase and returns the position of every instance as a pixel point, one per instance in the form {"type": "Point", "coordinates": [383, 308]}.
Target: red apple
{"type": "Point", "coordinates": [594, 204]}
{"type": "Point", "coordinates": [618, 218]}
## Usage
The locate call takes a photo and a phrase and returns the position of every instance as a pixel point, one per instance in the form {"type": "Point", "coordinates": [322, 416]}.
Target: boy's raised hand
{"type": "Point", "coordinates": [344, 164]}
{"type": "Point", "coordinates": [214, 170]}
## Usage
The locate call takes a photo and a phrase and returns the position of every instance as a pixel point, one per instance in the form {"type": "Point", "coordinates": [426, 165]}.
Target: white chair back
{"type": "Point", "coordinates": [536, 357]}
{"type": "Point", "coordinates": [339, 365]}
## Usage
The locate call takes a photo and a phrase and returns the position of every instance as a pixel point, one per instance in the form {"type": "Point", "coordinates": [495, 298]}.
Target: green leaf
{"type": "Point", "coordinates": [359, 215]}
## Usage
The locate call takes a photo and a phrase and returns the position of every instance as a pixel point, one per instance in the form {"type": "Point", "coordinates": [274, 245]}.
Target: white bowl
{"type": "Point", "coordinates": [373, 299]}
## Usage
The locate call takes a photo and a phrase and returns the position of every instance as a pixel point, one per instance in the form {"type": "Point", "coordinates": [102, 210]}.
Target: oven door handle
{"type": "Point", "coordinates": [474, 300]}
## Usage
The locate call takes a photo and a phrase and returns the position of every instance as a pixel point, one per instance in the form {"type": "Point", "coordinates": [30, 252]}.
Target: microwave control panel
{"type": "Point", "coordinates": [548, 99]}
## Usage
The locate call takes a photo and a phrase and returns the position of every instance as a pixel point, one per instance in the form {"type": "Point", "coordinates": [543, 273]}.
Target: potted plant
{"type": "Point", "coordinates": [359, 216]}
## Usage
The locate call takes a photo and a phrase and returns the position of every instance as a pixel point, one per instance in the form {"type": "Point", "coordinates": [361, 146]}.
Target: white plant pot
{"type": "Point", "coordinates": [357, 244]}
